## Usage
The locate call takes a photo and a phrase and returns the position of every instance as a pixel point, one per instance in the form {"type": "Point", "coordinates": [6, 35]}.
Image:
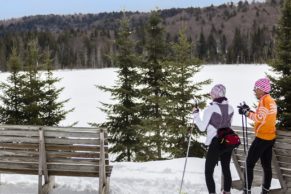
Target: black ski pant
{"type": "Point", "coordinates": [214, 153]}
{"type": "Point", "coordinates": [260, 149]}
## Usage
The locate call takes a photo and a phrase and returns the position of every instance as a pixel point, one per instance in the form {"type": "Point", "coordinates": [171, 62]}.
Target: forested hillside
{"type": "Point", "coordinates": [242, 33]}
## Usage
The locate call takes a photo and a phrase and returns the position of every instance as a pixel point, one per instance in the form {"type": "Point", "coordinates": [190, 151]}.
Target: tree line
{"type": "Point", "coordinates": [223, 34]}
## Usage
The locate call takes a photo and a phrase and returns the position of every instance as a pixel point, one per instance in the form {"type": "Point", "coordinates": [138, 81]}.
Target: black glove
{"type": "Point", "coordinates": [189, 129]}
{"type": "Point", "coordinates": [243, 109]}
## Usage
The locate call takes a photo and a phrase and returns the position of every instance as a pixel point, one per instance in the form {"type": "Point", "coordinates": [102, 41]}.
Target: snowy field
{"type": "Point", "coordinates": [157, 177]}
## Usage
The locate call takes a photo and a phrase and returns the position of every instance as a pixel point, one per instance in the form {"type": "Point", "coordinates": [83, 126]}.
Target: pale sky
{"type": "Point", "coordinates": [18, 8]}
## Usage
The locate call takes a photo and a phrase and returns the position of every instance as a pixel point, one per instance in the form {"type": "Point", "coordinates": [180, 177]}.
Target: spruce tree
{"type": "Point", "coordinates": [52, 109]}
{"type": "Point", "coordinates": [237, 50]}
{"type": "Point", "coordinates": [123, 116]}
{"type": "Point", "coordinates": [33, 85]}
{"type": "Point", "coordinates": [182, 67]}
{"type": "Point", "coordinates": [28, 98]}
{"type": "Point", "coordinates": [212, 48]}
{"type": "Point", "coordinates": [152, 82]}
{"type": "Point", "coordinates": [201, 46]}
{"type": "Point", "coordinates": [11, 109]}
{"type": "Point", "coordinates": [282, 66]}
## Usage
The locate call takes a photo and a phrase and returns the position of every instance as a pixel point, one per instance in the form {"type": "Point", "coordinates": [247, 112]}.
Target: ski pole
{"type": "Point", "coordinates": [243, 128]}
{"type": "Point", "coordinates": [246, 129]}
{"type": "Point", "coordinates": [185, 164]}
{"type": "Point", "coordinates": [245, 148]}
{"type": "Point", "coordinates": [188, 148]}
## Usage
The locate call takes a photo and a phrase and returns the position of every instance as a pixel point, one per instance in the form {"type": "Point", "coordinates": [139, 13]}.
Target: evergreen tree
{"type": "Point", "coordinates": [282, 66]}
{"type": "Point", "coordinates": [237, 50]}
{"type": "Point", "coordinates": [201, 46]}
{"type": "Point", "coordinates": [152, 82]}
{"type": "Point", "coordinates": [222, 48]}
{"type": "Point", "coordinates": [52, 110]}
{"type": "Point", "coordinates": [33, 85]}
{"type": "Point", "coordinates": [123, 117]}
{"type": "Point", "coordinates": [183, 66]}
{"type": "Point", "coordinates": [212, 48]}
{"type": "Point", "coordinates": [28, 99]}
{"type": "Point", "coordinates": [11, 110]}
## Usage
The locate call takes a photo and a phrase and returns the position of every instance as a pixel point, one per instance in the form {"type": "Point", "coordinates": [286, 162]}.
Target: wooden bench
{"type": "Point", "coordinates": [281, 161]}
{"type": "Point", "coordinates": [55, 151]}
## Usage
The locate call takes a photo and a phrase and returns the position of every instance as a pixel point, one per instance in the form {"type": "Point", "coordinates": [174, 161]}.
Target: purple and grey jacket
{"type": "Point", "coordinates": [215, 116]}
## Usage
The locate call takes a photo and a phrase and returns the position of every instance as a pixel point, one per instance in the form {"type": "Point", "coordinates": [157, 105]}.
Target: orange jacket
{"type": "Point", "coordinates": [265, 118]}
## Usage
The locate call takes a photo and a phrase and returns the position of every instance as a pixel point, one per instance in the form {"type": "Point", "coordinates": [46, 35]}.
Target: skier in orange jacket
{"type": "Point", "coordinates": [265, 131]}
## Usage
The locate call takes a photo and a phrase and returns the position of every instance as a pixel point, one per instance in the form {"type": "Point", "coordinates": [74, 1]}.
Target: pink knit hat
{"type": "Point", "coordinates": [218, 91]}
{"type": "Point", "coordinates": [263, 84]}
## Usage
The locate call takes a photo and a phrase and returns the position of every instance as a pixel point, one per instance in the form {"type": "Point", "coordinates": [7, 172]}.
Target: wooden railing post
{"type": "Point", "coordinates": [278, 172]}
{"type": "Point", "coordinates": [102, 171]}
{"type": "Point", "coordinates": [42, 165]}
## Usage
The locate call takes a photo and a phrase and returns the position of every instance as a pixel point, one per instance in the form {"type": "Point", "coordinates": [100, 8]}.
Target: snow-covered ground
{"type": "Point", "coordinates": [157, 177]}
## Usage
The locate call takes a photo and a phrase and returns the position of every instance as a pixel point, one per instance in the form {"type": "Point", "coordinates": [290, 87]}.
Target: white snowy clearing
{"type": "Point", "coordinates": [157, 177]}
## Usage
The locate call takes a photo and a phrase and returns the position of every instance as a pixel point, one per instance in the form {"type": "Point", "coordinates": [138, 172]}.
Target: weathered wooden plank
{"type": "Point", "coordinates": [83, 174]}
{"type": "Point", "coordinates": [20, 127]}
{"type": "Point", "coordinates": [284, 159]}
{"type": "Point", "coordinates": [6, 153]}
{"type": "Point", "coordinates": [72, 154]}
{"type": "Point", "coordinates": [72, 141]}
{"type": "Point", "coordinates": [52, 147]}
{"type": "Point", "coordinates": [74, 129]}
{"type": "Point", "coordinates": [21, 146]}
{"type": "Point", "coordinates": [282, 152]}
{"type": "Point", "coordinates": [67, 134]}
{"type": "Point", "coordinates": [14, 139]}
{"type": "Point", "coordinates": [24, 133]}
{"type": "Point", "coordinates": [30, 157]}
{"type": "Point", "coordinates": [283, 140]}
{"type": "Point", "coordinates": [34, 127]}
{"type": "Point", "coordinates": [52, 167]}
{"type": "Point", "coordinates": [52, 173]}
{"type": "Point", "coordinates": [69, 147]}
{"type": "Point", "coordinates": [19, 171]}
{"type": "Point", "coordinates": [284, 165]}
{"type": "Point", "coordinates": [282, 145]}
{"type": "Point", "coordinates": [17, 159]}
{"type": "Point", "coordinates": [80, 161]}
{"type": "Point", "coordinates": [19, 166]}
{"type": "Point", "coordinates": [73, 167]}
{"type": "Point", "coordinates": [284, 133]}
{"type": "Point", "coordinates": [13, 155]}
{"type": "Point", "coordinates": [58, 134]}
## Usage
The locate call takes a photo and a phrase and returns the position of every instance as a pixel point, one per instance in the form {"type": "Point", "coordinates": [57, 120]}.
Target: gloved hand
{"type": "Point", "coordinates": [243, 109]}
{"type": "Point", "coordinates": [189, 129]}
{"type": "Point", "coordinates": [195, 110]}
